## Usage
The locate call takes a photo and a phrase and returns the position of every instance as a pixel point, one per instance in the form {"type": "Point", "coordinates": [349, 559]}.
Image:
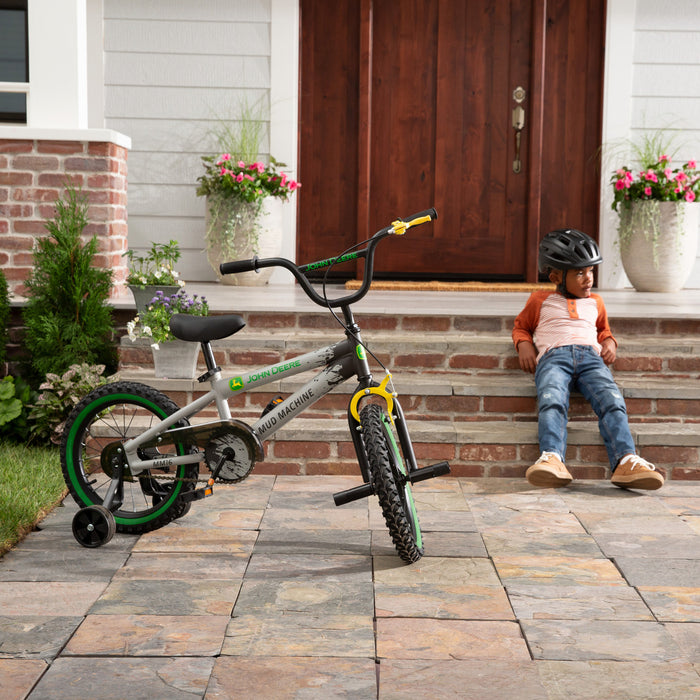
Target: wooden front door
{"type": "Point", "coordinates": [408, 104]}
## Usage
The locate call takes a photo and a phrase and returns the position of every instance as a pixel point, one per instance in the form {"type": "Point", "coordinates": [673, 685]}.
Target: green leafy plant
{"type": "Point", "coordinates": [59, 395]}
{"type": "Point", "coordinates": [156, 267]}
{"type": "Point", "coordinates": [154, 323]}
{"type": "Point", "coordinates": [67, 318]}
{"type": "Point", "coordinates": [16, 397]}
{"type": "Point", "coordinates": [10, 405]}
{"type": "Point", "coordinates": [4, 316]}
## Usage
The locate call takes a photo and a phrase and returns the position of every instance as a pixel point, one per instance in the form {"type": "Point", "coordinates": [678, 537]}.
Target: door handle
{"type": "Point", "coordinates": [518, 117]}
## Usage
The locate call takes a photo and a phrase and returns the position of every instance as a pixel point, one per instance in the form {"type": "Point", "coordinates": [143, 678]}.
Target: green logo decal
{"type": "Point", "coordinates": [359, 349]}
{"type": "Point", "coordinates": [236, 383]}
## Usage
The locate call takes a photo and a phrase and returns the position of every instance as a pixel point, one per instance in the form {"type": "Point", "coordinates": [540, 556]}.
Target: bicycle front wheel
{"type": "Point", "coordinates": [106, 418]}
{"type": "Point", "coordinates": [390, 481]}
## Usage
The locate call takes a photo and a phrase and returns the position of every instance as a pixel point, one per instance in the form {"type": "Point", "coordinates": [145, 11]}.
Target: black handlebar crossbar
{"type": "Point", "coordinates": [397, 227]}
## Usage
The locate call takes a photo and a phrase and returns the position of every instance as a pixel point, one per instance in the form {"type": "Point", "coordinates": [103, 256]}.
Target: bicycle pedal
{"type": "Point", "coordinates": [430, 472]}
{"type": "Point", "coordinates": [197, 494]}
{"type": "Point", "coordinates": [274, 402]}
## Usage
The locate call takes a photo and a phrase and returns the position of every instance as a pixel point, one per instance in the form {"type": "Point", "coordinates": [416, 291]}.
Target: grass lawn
{"type": "Point", "coordinates": [31, 484]}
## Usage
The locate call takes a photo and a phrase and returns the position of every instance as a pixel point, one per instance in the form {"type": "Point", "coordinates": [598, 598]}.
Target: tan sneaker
{"type": "Point", "coordinates": [633, 472]}
{"type": "Point", "coordinates": [548, 472]}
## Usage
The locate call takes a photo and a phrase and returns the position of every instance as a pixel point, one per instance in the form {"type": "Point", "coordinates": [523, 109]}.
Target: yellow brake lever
{"type": "Point", "coordinates": [401, 226]}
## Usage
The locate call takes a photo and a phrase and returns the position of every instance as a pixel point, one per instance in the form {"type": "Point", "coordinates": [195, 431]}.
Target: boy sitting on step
{"type": "Point", "coordinates": [563, 337]}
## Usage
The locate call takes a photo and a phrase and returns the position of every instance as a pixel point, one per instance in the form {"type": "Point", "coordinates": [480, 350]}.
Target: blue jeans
{"type": "Point", "coordinates": [559, 371]}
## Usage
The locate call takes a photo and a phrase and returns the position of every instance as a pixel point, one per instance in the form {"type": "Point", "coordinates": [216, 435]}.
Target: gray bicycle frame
{"type": "Point", "coordinates": [341, 361]}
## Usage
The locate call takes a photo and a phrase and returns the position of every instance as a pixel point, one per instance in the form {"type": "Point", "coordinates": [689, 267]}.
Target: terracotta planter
{"type": "Point", "coordinates": [142, 297]}
{"type": "Point", "coordinates": [238, 231]}
{"type": "Point", "coordinates": [175, 359]}
{"type": "Point", "coordinates": [665, 263]}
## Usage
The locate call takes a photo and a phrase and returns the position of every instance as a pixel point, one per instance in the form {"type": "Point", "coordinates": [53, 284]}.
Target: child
{"type": "Point", "coordinates": [563, 337]}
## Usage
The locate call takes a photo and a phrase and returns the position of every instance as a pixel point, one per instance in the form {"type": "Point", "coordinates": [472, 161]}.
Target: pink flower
{"type": "Point", "coordinates": [293, 185]}
{"type": "Point", "coordinates": [664, 159]}
{"type": "Point", "coordinates": [241, 164]}
{"type": "Point", "coordinates": [651, 175]}
{"type": "Point", "coordinates": [689, 196]}
{"type": "Point", "coordinates": [647, 191]}
{"type": "Point", "coordinates": [620, 185]}
{"type": "Point", "coordinates": [668, 173]}
{"type": "Point", "coordinates": [239, 177]}
{"type": "Point", "coordinates": [681, 177]}
{"type": "Point", "coordinates": [692, 164]}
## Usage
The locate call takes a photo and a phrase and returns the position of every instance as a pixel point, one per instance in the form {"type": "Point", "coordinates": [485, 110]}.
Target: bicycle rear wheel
{"type": "Point", "coordinates": [106, 418]}
{"type": "Point", "coordinates": [390, 481]}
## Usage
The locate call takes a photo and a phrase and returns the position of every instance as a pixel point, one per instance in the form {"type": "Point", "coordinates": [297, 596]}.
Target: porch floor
{"type": "Point", "coordinates": [620, 303]}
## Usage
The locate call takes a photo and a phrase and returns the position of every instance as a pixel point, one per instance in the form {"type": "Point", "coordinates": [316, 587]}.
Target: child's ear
{"type": "Point", "coordinates": [555, 276]}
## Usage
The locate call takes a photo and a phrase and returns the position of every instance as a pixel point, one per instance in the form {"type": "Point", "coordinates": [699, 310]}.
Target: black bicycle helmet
{"type": "Point", "coordinates": [568, 248]}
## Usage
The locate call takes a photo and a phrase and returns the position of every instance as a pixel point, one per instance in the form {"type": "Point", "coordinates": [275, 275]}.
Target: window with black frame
{"type": "Point", "coordinates": [14, 61]}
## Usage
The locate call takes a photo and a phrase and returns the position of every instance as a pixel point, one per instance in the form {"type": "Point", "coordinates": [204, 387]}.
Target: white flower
{"type": "Point", "coordinates": [155, 346]}
{"type": "Point", "coordinates": [146, 330]}
{"type": "Point", "coordinates": [130, 326]}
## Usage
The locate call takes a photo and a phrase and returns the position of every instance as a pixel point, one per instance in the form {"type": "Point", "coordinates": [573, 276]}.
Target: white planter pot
{"type": "Point", "coordinates": [663, 265]}
{"type": "Point", "coordinates": [236, 232]}
{"type": "Point", "coordinates": [175, 359]}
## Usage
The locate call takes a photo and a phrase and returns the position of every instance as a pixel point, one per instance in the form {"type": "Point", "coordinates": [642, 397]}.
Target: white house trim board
{"type": "Point", "coordinates": [57, 95]}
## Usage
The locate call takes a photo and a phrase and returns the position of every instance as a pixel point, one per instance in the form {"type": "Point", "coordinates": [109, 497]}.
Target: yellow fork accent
{"type": "Point", "coordinates": [380, 390]}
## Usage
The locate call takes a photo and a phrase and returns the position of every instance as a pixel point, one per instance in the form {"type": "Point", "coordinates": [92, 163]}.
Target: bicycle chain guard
{"type": "Point", "coordinates": [231, 439]}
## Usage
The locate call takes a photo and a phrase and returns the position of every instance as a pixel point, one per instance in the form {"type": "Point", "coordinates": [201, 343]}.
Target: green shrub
{"type": "Point", "coordinates": [67, 319]}
{"type": "Point", "coordinates": [15, 398]}
{"type": "Point", "coordinates": [4, 316]}
{"type": "Point", "coordinates": [59, 395]}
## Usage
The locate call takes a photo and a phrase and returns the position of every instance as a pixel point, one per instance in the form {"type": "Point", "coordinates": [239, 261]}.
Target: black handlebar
{"type": "Point", "coordinates": [398, 227]}
{"type": "Point", "coordinates": [231, 268]}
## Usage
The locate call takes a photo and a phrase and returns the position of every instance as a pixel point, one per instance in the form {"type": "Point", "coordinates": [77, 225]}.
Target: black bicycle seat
{"type": "Point", "coordinates": [202, 329]}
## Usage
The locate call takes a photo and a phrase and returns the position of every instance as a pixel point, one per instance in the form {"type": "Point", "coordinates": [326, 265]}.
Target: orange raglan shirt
{"type": "Point", "coordinates": [550, 320]}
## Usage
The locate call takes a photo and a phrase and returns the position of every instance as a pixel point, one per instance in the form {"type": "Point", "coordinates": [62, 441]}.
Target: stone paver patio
{"type": "Point", "coordinates": [267, 590]}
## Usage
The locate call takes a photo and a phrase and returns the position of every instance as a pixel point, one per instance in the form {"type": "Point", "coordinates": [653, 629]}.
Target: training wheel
{"type": "Point", "coordinates": [94, 526]}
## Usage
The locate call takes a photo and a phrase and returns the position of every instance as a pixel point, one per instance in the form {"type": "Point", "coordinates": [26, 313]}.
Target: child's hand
{"type": "Point", "coordinates": [608, 351]}
{"type": "Point", "coordinates": [528, 356]}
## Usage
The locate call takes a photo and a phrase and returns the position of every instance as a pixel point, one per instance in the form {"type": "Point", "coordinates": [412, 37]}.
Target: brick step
{"type": "Point", "coordinates": [482, 448]}
{"type": "Point", "coordinates": [431, 352]}
{"type": "Point", "coordinates": [460, 397]}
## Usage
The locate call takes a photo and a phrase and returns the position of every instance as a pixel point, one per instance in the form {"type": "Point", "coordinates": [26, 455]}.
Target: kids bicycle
{"type": "Point", "coordinates": [131, 458]}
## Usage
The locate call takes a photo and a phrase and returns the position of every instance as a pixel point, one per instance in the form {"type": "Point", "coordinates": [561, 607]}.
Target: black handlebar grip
{"type": "Point", "coordinates": [431, 213]}
{"type": "Point", "coordinates": [231, 268]}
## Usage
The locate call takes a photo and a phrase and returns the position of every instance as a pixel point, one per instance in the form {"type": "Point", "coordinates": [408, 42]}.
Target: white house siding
{"type": "Point", "coordinates": [173, 68]}
{"type": "Point", "coordinates": [652, 82]}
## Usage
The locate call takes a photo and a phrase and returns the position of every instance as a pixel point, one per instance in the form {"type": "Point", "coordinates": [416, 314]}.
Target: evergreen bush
{"type": "Point", "coordinates": [67, 320]}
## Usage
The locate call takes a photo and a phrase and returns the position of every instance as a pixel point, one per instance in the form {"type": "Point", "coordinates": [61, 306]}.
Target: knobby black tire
{"type": "Point", "coordinates": [387, 472]}
{"type": "Point", "coordinates": [112, 413]}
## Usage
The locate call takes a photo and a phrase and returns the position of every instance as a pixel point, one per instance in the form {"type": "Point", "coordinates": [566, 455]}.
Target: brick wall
{"type": "Point", "coordinates": [33, 174]}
